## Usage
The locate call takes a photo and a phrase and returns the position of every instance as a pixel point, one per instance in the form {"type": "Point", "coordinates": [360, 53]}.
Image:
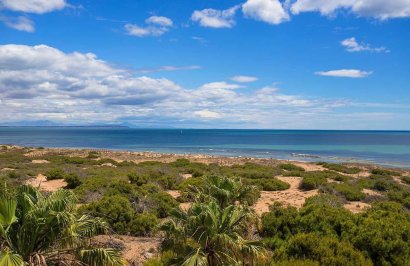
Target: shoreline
{"type": "Point", "coordinates": [120, 155]}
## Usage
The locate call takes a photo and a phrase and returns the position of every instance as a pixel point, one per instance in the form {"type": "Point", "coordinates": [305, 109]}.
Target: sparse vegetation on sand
{"type": "Point", "coordinates": [206, 213]}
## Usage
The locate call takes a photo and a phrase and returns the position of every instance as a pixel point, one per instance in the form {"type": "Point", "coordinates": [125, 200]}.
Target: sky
{"type": "Point", "coordinates": [293, 64]}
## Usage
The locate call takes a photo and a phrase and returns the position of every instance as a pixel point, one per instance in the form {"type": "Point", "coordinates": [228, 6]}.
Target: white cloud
{"type": "Point", "coordinates": [352, 45]}
{"type": "Point", "coordinates": [156, 26]}
{"type": "Point", "coordinates": [33, 6]}
{"type": "Point", "coordinates": [345, 73]}
{"type": "Point", "coordinates": [207, 114]}
{"type": "Point", "coordinates": [167, 68]}
{"type": "Point", "coordinates": [380, 9]}
{"type": "Point", "coordinates": [161, 21]}
{"type": "Point", "coordinates": [44, 83]}
{"type": "Point", "coordinates": [270, 11]}
{"type": "Point", "coordinates": [244, 79]}
{"type": "Point", "coordinates": [214, 18]}
{"type": "Point", "coordinates": [19, 23]}
{"type": "Point", "coordinates": [220, 85]}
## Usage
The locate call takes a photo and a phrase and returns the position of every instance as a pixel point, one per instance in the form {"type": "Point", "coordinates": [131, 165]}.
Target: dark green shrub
{"type": "Point", "coordinates": [327, 250]}
{"type": "Point", "coordinates": [340, 168]}
{"type": "Point", "coordinates": [137, 179]}
{"type": "Point", "coordinates": [383, 234]}
{"type": "Point", "coordinates": [72, 180]}
{"type": "Point", "coordinates": [291, 167]}
{"type": "Point", "coordinates": [268, 184]}
{"type": "Point", "coordinates": [116, 210]}
{"type": "Point", "coordinates": [350, 191]}
{"type": "Point", "coordinates": [406, 179]}
{"type": "Point", "coordinates": [379, 171]}
{"type": "Point", "coordinates": [180, 163]}
{"type": "Point", "coordinates": [13, 175]}
{"type": "Point", "coordinates": [75, 160]}
{"type": "Point", "coordinates": [163, 203]}
{"type": "Point", "coordinates": [144, 224]}
{"type": "Point", "coordinates": [55, 174]}
{"type": "Point", "coordinates": [93, 155]}
{"type": "Point", "coordinates": [280, 221]}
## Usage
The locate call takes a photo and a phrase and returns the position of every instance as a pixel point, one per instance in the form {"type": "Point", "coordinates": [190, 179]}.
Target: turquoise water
{"type": "Point", "coordinates": [390, 148]}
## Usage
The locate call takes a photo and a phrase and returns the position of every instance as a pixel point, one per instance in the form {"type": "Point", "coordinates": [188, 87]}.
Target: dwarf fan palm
{"type": "Point", "coordinates": [39, 230]}
{"type": "Point", "coordinates": [208, 234]}
{"type": "Point", "coordinates": [225, 191]}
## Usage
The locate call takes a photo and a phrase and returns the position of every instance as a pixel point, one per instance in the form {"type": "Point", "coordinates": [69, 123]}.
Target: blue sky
{"type": "Point", "coordinates": [297, 64]}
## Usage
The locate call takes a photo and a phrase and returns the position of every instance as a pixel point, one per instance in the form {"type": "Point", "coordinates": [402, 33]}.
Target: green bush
{"type": "Point", "coordinates": [291, 167]}
{"type": "Point", "coordinates": [180, 163]}
{"type": "Point", "coordinates": [72, 180]}
{"type": "Point", "coordinates": [280, 221]}
{"type": "Point", "coordinates": [324, 249]}
{"type": "Point", "coordinates": [55, 174]}
{"type": "Point", "coordinates": [379, 171]}
{"type": "Point", "coordinates": [268, 184]}
{"type": "Point", "coordinates": [116, 210]}
{"type": "Point", "coordinates": [350, 191]}
{"type": "Point", "coordinates": [13, 175]}
{"type": "Point", "coordinates": [93, 155]}
{"type": "Point", "coordinates": [340, 168]}
{"type": "Point", "coordinates": [406, 179]}
{"type": "Point", "coordinates": [144, 224]}
{"type": "Point", "coordinates": [163, 204]}
{"type": "Point", "coordinates": [316, 179]}
{"type": "Point", "coordinates": [383, 234]}
{"type": "Point", "coordinates": [137, 179]}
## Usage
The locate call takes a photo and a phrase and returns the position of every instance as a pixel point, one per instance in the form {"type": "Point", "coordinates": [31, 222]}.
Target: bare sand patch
{"type": "Point", "coordinates": [50, 186]}
{"type": "Point", "coordinates": [292, 196]}
{"type": "Point", "coordinates": [109, 165]}
{"type": "Point", "coordinates": [136, 250]}
{"type": "Point", "coordinates": [8, 169]}
{"type": "Point", "coordinates": [36, 153]}
{"type": "Point", "coordinates": [370, 192]}
{"type": "Point", "coordinates": [309, 166]}
{"type": "Point", "coordinates": [174, 193]}
{"type": "Point", "coordinates": [186, 176]}
{"type": "Point", "coordinates": [39, 161]}
{"type": "Point", "coordinates": [356, 206]}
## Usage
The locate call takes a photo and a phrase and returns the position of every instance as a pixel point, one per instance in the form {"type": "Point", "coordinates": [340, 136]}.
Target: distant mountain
{"type": "Point", "coordinates": [48, 123]}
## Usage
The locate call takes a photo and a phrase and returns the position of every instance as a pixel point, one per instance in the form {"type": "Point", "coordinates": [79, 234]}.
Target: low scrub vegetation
{"type": "Point", "coordinates": [217, 227]}
{"type": "Point", "coordinates": [340, 168]}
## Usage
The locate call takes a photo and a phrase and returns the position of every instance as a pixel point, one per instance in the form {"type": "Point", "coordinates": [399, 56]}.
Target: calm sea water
{"type": "Point", "coordinates": [390, 148]}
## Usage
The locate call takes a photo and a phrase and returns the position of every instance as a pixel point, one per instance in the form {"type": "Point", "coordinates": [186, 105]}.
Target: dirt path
{"type": "Point", "coordinates": [292, 196]}
{"type": "Point", "coordinates": [136, 250]}
{"type": "Point", "coordinates": [44, 185]}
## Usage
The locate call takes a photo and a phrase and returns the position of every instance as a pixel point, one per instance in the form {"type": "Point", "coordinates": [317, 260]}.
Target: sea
{"type": "Point", "coordinates": [385, 148]}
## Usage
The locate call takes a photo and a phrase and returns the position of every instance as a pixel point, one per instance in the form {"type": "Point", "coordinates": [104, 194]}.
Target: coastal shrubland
{"type": "Point", "coordinates": [340, 168]}
{"type": "Point", "coordinates": [134, 199]}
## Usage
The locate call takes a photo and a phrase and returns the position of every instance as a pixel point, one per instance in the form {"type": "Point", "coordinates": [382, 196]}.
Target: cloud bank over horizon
{"type": "Point", "coordinates": [43, 83]}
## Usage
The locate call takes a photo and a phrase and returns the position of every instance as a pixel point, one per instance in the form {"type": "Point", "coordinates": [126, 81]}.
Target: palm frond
{"type": "Point", "coordinates": [101, 256]}
{"type": "Point", "coordinates": [8, 258]}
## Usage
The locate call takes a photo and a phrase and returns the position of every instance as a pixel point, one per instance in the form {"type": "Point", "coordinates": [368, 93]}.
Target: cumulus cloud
{"type": "Point", "coordinates": [379, 9]}
{"type": "Point", "coordinates": [244, 79]}
{"type": "Point", "coordinates": [33, 6]}
{"type": "Point", "coordinates": [154, 26]}
{"type": "Point", "coordinates": [352, 45]}
{"type": "Point", "coordinates": [345, 73]}
{"type": "Point", "coordinates": [161, 21]}
{"type": "Point", "coordinates": [167, 68]}
{"type": "Point", "coordinates": [220, 85]}
{"type": "Point", "coordinates": [214, 18]}
{"type": "Point", "coordinates": [20, 23]}
{"type": "Point", "coordinates": [270, 11]}
{"type": "Point", "coordinates": [43, 83]}
{"type": "Point", "coordinates": [207, 114]}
